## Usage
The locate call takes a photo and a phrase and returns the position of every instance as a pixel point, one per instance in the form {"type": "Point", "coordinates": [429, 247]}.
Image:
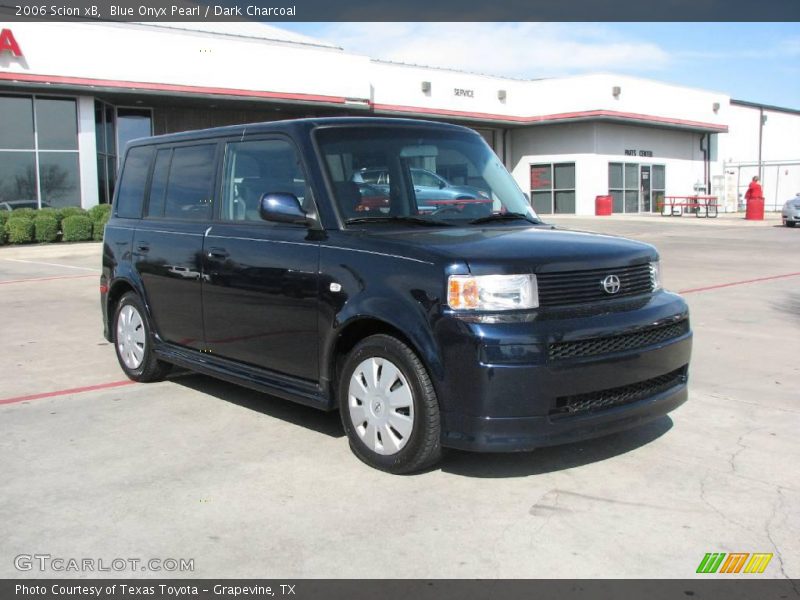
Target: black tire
{"type": "Point", "coordinates": [423, 445]}
{"type": "Point", "coordinates": [789, 223]}
{"type": "Point", "coordinates": [150, 368]}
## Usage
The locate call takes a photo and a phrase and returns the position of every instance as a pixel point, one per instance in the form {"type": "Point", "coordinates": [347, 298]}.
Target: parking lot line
{"type": "Point", "coordinates": [35, 279]}
{"type": "Point", "coordinates": [78, 390]}
{"type": "Point", "coordinates": [733, 283]}
{"type": "Point", "coordinates": [49, 264]}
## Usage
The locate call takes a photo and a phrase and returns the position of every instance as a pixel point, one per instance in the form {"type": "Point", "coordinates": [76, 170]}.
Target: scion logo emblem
{"type": "Point", "coordinates": [611, 284]}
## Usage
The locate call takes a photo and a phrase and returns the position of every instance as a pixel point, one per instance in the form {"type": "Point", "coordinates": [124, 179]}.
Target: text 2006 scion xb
{"type": "Point", "coordinates": [257, 254]}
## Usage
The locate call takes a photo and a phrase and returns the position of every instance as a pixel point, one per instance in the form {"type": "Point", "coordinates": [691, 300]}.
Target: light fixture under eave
{"type": "Point", "coordinates": [616, 91]}
{"type": "Point", "coordinates": [426, 87]}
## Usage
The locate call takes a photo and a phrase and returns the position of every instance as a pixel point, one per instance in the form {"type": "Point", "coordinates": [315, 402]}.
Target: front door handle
{"type": "Point", "coordinates": [218, 253]}
{"type": "Point", "coordinates": [143, 247]}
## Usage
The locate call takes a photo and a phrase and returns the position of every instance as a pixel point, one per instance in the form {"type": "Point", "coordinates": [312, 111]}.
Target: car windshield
{"type": "Point", "coordinates": [447, 176]}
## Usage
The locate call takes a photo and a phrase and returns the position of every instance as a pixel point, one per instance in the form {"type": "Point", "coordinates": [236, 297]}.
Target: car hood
{"type": "Point", "coordinates": [510, 249]}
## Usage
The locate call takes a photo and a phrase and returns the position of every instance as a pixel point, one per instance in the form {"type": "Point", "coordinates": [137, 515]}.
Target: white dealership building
{"type": "Point", "coordinates": [72, 95]}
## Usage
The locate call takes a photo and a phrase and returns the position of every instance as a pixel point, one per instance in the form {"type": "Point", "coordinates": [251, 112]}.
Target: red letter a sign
{"type": "Point", "coordinates": [8, 43]}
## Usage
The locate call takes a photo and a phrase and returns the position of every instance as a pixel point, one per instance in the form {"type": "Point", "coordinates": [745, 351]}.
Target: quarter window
{"type": "Point", "coordinates": [134, 181]}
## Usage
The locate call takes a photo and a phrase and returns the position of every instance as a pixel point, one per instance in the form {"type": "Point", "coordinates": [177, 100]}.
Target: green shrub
{"type": "Point", "coordinates": [45, 228]}
{"type": "Point", "coordinates": [3, 234]}
{"type": "Point", "coordinates": [20, 231]}
{"type": "Point", "coordinates": [76, 228]}
{"type": "Point", "coordinates": [69, 211]}
{"type": "Point", "coordinates": [22, 213]}
{"type": "Point", "coordinates": [100, 213]}
{"type": "Point", "coordinates": [4, 214]}
{"type": "Point", "coordinates": [100, 227]}
{"type": "Point", "coordinates": [50, 212]}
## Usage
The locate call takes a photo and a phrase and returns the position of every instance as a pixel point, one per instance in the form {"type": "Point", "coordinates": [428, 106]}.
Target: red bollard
{"type": "Point", "coordinates": [755, 209]}
{"type": "Point", "coordinates": [603, 205]}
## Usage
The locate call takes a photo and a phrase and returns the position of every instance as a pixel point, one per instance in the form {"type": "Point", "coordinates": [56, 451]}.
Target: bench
{"type": "Point", "coordinates": [701, 206]}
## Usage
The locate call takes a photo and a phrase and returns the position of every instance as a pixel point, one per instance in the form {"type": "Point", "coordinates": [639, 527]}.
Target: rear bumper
{"type": "Point", "coordinates": [506, 389]}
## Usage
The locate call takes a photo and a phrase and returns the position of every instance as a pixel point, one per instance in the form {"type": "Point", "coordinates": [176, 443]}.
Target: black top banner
{"type": "Point", "coordinates": [403, 10]}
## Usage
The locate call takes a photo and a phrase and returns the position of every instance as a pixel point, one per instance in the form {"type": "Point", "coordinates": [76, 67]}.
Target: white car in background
{"type": "Point", "coordinates": [791, 211]}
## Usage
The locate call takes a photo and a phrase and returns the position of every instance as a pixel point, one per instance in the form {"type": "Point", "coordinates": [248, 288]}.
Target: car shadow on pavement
{"type": "Point", "coordinates": [553, 458]}
{"type": "Point", "coordinates": [266, 404]}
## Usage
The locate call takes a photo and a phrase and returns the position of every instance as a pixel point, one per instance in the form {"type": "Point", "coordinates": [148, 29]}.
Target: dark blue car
{"type": "Point", "coordinates": [260, 255]}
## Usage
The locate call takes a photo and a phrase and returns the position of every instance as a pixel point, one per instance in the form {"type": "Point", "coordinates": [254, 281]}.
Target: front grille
{"type": "Point", "coordinates": [626, 394]}
{"type": "Point", "coordinates": [577, 287]}
{"type": "Point", "coordinates": [617, 343]}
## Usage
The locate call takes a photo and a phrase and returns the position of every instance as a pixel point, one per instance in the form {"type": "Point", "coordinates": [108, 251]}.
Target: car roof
{"type": "Point", "coordinates": [296, 126]}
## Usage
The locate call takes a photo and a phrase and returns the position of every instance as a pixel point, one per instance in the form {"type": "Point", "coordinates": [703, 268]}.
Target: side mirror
{"type": "Point", "coordinates": [281, 207]}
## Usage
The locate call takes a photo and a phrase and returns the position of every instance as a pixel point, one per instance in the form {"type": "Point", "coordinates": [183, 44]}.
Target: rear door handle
{"type": "Point", "coordinates": [143, 247]}
{"type": "Point", "coordinates": [220, 253]}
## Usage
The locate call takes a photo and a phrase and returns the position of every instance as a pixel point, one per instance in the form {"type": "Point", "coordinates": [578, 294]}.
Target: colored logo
{"type": "Point", "coordinates": [9, 44]}
{"type": "Point", "coordinates": [736, 562]}
{"type": "Point", "coordinates": [611, 284]}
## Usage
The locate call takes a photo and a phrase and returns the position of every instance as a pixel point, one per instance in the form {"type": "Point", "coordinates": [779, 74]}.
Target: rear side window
{"type": "Point", "coordinates": [191, 183]}
{"type": "Point", "coordinates": [130, 195]}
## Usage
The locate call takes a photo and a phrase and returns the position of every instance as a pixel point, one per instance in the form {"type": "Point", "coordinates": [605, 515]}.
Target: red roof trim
{"type": "Point", "coordinates": [168, 87]}
{"type": "Point", "coordinates": [191, 89]}
{"type": "Point", "coordinates": [606, 114]}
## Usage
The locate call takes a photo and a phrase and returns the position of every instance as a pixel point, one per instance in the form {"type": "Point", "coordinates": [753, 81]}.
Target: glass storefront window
{"type": "Point", "coordinates": [57, 124]}
{"type": "Point", "coordinates": [624, 187]}
{"type": "Point", "coordinates": [39, 156]}
{"type": "Point", "coordinates": [16, 122]}
{"type": "Point", "coordinates": [553, 188]}
{"type": "Point", "coordinates": [17, 176]}
{"type": "Point", "coordinates": [133, 123]}
{"type": "Point", "coordinates": [58, 179]}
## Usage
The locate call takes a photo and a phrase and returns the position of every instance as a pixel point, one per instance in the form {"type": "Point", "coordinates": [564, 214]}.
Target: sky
{"type": "Point", "coordinates": [755, 62]}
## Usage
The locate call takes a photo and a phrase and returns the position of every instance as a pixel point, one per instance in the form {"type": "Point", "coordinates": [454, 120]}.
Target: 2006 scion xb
{"type": "Point", "coordinates": [250, 253]}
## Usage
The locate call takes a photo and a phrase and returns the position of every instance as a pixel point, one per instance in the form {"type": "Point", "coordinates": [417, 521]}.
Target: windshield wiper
{"type": "Point", "coordinates": [408, 219]}
{"type": "Point", "coordinates": [509, 216]}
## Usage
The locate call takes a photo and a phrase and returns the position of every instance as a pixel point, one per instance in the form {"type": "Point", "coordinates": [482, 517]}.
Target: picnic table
{"type": "Point", "coordinates": [701, 206]}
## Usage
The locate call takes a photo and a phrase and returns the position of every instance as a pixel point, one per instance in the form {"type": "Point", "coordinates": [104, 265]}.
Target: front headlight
{"type": "Point", "coordinates": [655, 275]}
{"type": "Point", "coordinates": [492, 292]}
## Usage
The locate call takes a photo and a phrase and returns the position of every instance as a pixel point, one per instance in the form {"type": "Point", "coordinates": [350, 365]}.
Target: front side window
{"type": "Point", "coordinates": [418, 174]}
{"type": "Point", "coordinates": [259, 167]}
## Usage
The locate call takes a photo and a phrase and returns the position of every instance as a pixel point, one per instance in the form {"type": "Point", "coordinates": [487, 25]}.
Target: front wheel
{"type": "Point", "coordinates": [789, 223]}
{"type": "Point", "coordinates": [388, 406]}
{"type": "Point", "coordinates": [133, 341]}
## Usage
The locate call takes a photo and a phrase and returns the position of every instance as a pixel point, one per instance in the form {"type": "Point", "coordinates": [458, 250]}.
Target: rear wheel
{"type": "Point", "coordinates": [133, 341]}
{"type": "Point", "coordinates": [388, 406]}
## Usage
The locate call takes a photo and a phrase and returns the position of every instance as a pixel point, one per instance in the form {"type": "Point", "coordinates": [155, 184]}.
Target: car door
{"type": "Point", "coordinates": [168, 244]}
{"type": "Point", "coordinates": [260, 293]}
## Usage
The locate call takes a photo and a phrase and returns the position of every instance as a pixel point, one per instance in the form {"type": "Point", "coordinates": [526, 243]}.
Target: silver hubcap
{"type": "Point", "coordinates": [130, 337]}
{"type": "Point", "coordinates": [381, 406]}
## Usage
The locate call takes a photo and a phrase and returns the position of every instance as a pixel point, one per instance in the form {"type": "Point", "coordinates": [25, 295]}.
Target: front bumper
{"type": "Point", "coordinates": [791, 215]}
{"type": "Point", "coordinates": [507, 388]}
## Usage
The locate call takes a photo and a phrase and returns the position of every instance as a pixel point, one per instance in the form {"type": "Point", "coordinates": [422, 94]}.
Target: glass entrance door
{"type": "Point", "coordinates": [645, 189]}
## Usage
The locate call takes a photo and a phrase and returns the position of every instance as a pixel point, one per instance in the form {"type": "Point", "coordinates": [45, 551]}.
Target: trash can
{"type": "Point", "coordinates": [755, 209]}
{"type": "Point", "coordinates": [603, 205]}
